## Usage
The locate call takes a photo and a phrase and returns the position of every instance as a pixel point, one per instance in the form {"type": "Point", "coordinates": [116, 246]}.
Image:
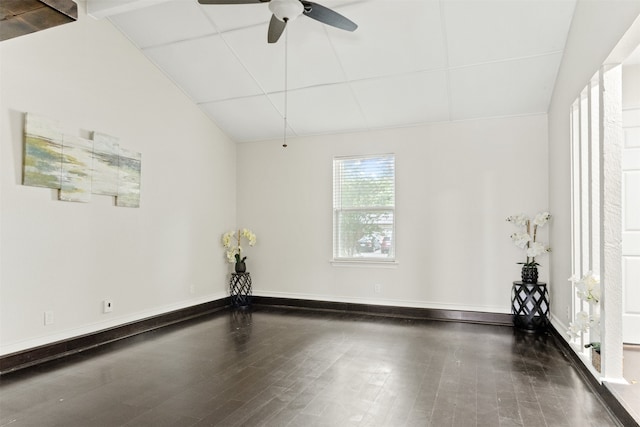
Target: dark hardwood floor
{"type": "Point", "coordinates": [304, 368]}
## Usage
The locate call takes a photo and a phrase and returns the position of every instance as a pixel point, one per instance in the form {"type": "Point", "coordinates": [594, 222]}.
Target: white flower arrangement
{"type": "Point", "coordinates": [588, 290]}
{"type": "Point", "coordinates": [526, 238]}
{"type": "Point", "coordinates": [234, 253]}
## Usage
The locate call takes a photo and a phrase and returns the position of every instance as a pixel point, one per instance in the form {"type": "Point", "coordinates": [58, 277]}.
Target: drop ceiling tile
{"type": "Point", "coordinates": [392, 37]}
{"type": "Point", "coordinates": [481, 31]}
{"type": "Point", "coordinates": [246, 119]}
{"type": "Point", "coordinates": [310, 56]}
{"type": "Point", "coordinates": [404, 100]}
{"type": "Point", "coordinates": [503, 88]}
{"type": "Point", "coordinates": [233, 16]}
{"type": "Point", "coordinates": [392, 71]}
{"type": "Point", "coordinates": [205, 68]}
{"type": "Point", "coordinates": [323, 109]}
{"type": "Point", "coordinates": [163, 23]}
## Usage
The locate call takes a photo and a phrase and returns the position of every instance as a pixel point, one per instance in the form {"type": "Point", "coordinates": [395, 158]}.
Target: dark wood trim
{"type": "Point", "coordinates": [601, 390]}
{"type": "Point", "coordinates": [388, 311]}
{"type": "Point", "coordinates": [33, 356]}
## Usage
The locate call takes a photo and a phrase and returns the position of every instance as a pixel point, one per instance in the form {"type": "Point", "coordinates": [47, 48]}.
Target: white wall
{"type": "Point", "coordinates": [631, 87]}
{"type": "Point", "coordinates": [596, 28]}
{"type": "Point", "coordinates": [456, 183]}
{"type": "Point", "coordinates": [68, 257]}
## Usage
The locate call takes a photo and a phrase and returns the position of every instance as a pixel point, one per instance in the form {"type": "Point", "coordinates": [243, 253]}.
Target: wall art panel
{"type": "Point", "coordinates": [129, 179]}
{"type": "Point", "coordinates": [105, 164]}
{"type": "Point", "coordinates": [77, 156]}
{"type": "Point", "coordinates": [42, 152]}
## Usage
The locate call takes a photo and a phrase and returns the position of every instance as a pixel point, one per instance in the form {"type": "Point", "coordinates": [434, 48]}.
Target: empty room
{"type": "Point", "coordinates": [344, 213]}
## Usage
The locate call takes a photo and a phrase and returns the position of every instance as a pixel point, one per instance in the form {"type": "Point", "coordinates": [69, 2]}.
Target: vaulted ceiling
{"type": "Point", "coordinates": [409, 62]}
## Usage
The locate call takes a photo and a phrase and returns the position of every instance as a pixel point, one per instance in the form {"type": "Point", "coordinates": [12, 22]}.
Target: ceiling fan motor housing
{"type": "Point", "coordinates": [286, 10]}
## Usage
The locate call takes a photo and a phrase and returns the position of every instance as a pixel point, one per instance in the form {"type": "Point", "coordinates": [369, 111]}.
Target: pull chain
{"type": "Point", "coordinates": [286, 39]}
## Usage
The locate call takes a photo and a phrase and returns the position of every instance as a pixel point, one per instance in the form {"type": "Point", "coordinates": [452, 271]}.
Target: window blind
{"type": "Point", "coordinates": [364, 207]}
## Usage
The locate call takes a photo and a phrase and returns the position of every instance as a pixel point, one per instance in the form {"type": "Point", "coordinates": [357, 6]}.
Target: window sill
{"type": "Point", "coordinates": [369, 263]}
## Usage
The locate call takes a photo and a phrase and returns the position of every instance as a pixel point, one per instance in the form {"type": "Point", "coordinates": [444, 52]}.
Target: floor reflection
{"type": "Point", "coordinates": [240, 325]}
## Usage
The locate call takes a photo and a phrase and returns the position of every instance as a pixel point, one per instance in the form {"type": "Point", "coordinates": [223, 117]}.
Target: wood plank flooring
{"type": "Point", "coordinates": [293, 368]}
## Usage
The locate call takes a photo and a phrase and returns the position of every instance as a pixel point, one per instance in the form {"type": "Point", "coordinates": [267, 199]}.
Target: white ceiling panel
{"type": "Point", "coordinates": [233, 16]}
{"type": "Point", "coordinates": [404, 100]}
{"type": "Point", "coordinates": [319, 110]}
{"type": "Point", "coordinates": [408, 62]}
{"type": "Point", "coordinates": [310, 57]}
{"type": "Point", "coordinates": [392, 37]}
{"type": "Point", "coordinates": [247, 119]}
{"type": "Point", "coordinates": [482, 31]}
{"type": "Point", "coordinates": [205, 68]}
{"type": "Point", "coordinates": [503, 88]}
{"type": "Point", "coordinates": [163, 23]}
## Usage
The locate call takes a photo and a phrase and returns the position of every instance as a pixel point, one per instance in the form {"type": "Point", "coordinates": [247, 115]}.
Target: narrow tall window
{"type": "Point", "coordinates": [584, 116]}
{"type": "Point", "coordinates": [364, 208]}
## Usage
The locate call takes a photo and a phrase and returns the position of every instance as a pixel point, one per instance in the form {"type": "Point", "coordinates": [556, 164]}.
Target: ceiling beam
{"type": "Point", "coordinates": [21, 17]}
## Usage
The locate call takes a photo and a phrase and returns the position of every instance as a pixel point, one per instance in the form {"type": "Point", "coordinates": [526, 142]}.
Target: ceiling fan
{"type": "Point", "coordinates": [286, 10]}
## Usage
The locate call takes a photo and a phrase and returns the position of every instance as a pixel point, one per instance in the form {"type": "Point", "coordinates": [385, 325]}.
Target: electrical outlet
{"type": "Point", "coordinates": [48, 318]}
{"type": "Point", "coordinates": [192, 289]}
{"type": "Point", "coordinates": [377, 288]}
{"type": "Point", "coordinates": [107, 306]}
{"type": "Point", "coordinates": [568, 312]}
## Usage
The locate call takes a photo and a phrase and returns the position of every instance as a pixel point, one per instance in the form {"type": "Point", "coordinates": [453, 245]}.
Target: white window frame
{"type": "Point", "coordinates": [362, 257]}
{"type": "Point", "coordinates": [585, 196]}
{"type": "Point", "coordinates": [595, 212]}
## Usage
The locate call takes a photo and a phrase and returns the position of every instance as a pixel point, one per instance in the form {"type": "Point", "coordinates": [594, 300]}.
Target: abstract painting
{"type": "Point", "coordinates": [129, 179]}
{"type": "Point", "coordinates": [105, 164]}
{"type": "Point", "coordinates": [77, 155]}
{"type": "Point", "coordinates": [79, 167]}
{"type": "Point", "coordinates": [42, 152]}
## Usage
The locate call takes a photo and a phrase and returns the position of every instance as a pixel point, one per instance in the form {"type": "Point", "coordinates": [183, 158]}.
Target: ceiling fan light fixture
{"type": "Point", "coordinates": [286, 10]}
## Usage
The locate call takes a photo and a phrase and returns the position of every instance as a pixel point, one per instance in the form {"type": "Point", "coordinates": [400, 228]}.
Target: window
{"type": "Point", "coordinates": [364, 208]}
{"type": "Point", "coordinates": [585, 119]}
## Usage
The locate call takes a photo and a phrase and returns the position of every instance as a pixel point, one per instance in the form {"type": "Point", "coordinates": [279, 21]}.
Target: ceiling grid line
{"type": "Point", "coordinates": [443, 61]}
{"type": "Point", "coordinates": [505, 60]}
{"type": "Point", "coordinates": [348, 82]}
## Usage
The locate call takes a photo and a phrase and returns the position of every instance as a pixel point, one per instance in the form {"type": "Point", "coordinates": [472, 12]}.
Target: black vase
{"type": "Point", "coordinates": [529, 274]}
{"type": "Point", "coordinates": [241, 267]}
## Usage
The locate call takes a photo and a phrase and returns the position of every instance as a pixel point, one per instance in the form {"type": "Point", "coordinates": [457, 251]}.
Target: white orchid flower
{"type": "Point", "coordinates": [535, 249]}
{"type": "Point", "coordinates": [520, 220]}
{"type": "Point", "coordinates": [230, 237]}
{"type": "Point", "coordinates": [587, 287]}
{"type": "Point", "coordinates": [226, 239]}
{"type": "Point", "coordinates": [521, 239]}
{"type": "Point", "coordinates": [541, 219]}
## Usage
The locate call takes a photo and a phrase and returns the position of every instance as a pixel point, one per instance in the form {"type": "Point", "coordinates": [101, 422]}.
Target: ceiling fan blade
{"type": "Point", "coordinates": [231, 1]}
{"type": "Point", "coordinates": [327, 16]}
{"type": "Point", "coordinates": [276, 28]}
